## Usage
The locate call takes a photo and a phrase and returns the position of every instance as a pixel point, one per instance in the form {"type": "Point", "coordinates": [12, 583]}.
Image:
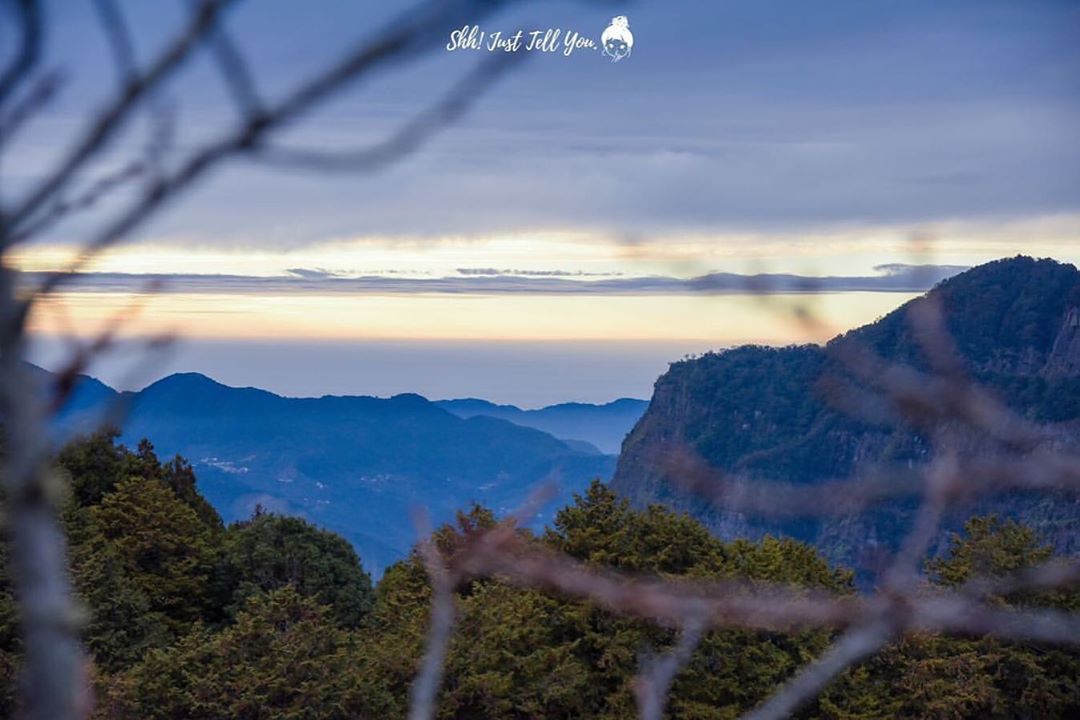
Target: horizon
{"type": "Point", "coordinates": [443, 369]}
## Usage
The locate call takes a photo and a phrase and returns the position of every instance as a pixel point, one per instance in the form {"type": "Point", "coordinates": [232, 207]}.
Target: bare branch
{"type": "Point", "coordinates": [234, 70]}
{"type": "Point", "coordinates": [119, 38]}
{"type": "Point", "coordinates": [90, 197]}
{"type": "Point", "coordinates": [30, 36]}
{"type": "Point", "coordinates": [1049, 576]}
{"type": "Point", "coordinates": [455, 103]}
{"type": "Point", "coordinates": [41, 92]}
{"type": "Point", "coordinates": [982, 476]}
{"type": "Point", "coordinates": [652, 686]}
{"type": "Point", "coordinates": [855, 645]}
{"type": "Point", "coordinates": [109, 122]}
{"type": "Point", "coordinates": [54, 686]}
{"type": "Point", "coordinates": [425, 688]}
{"type": "Point", "coordinates": [405, 38]}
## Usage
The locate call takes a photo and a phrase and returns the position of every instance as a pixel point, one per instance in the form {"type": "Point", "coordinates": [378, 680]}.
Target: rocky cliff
{"type": "Point", "coordinates": [760, 413]}
{"type": "Point", "coordinates": [1064, 360]}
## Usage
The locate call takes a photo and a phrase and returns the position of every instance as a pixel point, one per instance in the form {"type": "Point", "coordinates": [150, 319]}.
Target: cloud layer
{"type": "Point", "coordinates": [896, 277]}
{"type": "Point", "coordinates": [748, 114]}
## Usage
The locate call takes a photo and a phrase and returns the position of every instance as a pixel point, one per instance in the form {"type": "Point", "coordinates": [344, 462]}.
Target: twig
{"type": "Point", "coordinates": [652, 686]}
{"type": "Point", "coordinates": [109, 122]}
{"type": "Point", "coordinates": [29, 13]}
{"type": "Point", "coordinates": [119, 39]}
{"type": "Point", "coordinates": [425, 688]}
{"type": "Point", "coordinates": [90, 197]}
{"type": "Point", "coordinates": [853, 646]}
{"type": "Point", "coordinates": [455, 103]}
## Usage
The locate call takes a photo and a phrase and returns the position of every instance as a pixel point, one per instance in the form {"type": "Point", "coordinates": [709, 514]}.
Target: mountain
{"type": "Point", "coordinates": [355, 465]}
{"type": "Point", "coordinates": [601, 426]}
{"type": "Point", "coordinates": [760, 414]}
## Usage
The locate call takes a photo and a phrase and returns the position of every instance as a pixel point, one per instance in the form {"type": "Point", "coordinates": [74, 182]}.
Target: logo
{"type": "Point", "coordinates": [616, 42]}
{"type": "Point", "coordinates": [617, 39]}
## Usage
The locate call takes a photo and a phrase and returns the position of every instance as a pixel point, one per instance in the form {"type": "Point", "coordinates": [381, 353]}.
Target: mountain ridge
{"type": "Point", "coordinates": [757, 413]}
{"type": "Point", "coordinates": [353, 464]}
{"type": "Point", "coordinates": [603, 426]}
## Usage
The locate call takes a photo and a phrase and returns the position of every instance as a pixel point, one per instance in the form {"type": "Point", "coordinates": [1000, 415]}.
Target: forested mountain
{"type": "Point", "coordinates": [356, 465]}
{"type": "Point", "coordinates": [602, 426]}
{"type": "Point", "coordinates": [272, 618]}
{"type": "Point", "coordinates": [761, 413]}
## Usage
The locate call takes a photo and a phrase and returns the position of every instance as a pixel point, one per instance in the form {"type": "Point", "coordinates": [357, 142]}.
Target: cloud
{"type": "Point", "coordinates": [849, 112]}
{"type": "Point", "coordinates": [894, 278]}
{"type": "Point", "coordinates": [905, 269]}
{"type": "Point", "coordinates": [533, 273]}
{"type": "Point", "coordinates": [311, 274]}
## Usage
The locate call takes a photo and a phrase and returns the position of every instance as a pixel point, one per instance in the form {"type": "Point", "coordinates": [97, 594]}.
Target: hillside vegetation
{"type": "Point", "coordinates": [765, 414]}
{"type": "Point", "coordinates": [274, 619]}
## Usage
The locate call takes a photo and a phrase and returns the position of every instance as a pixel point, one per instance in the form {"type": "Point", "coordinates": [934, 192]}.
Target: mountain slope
{"type": "Point", "coordinates": [356, 465]}
{"type": "Point", "coordinates": [758, 412]}
{"type": "Point", "coordinates": [602, 426]}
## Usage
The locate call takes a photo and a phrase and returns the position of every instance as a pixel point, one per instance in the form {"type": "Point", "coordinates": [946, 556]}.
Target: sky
{"type": "Point", "coordinates": [587, 221]}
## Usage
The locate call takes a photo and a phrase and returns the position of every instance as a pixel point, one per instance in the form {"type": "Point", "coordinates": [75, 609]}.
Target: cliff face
{"type": "Point", "coordinates": [760, 413]}
{"type": "Point", "coordinates": [1064, 360]}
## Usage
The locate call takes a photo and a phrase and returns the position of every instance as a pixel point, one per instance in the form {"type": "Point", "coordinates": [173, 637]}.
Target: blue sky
{"type": "Point", "coordinates": [808, 138]}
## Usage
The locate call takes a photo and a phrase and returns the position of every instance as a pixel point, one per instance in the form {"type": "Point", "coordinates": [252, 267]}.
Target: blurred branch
{"type": "Point", "coordinates": [404, 38]}
{"type": "Point", "coordinates": [86, 200]}
{"type": "Point", "coordinates": [652, 686]}
{"type": "Point", "coordinates": [109, 121]}
{"type": "Point", "coordinates": [53, 684]}
{"type": "Point", "coordinates": [28, 14]}
{"type": "Point", "coordinates": [119, 39]}
{"type": "Point", "coordinates": [855, 645]}
{"type": "Point", "coordinates": [235, 72]}
{"type": "Point", "coordinates": [455, 103]}
{"type": "Point", "coordinates": [425, 688]}
{"type": "Point", "coordinates": [42, 90]}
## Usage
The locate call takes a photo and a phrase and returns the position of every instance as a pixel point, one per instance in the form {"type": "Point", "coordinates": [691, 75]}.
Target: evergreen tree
{"type": "Point", "coordinates": [269, 552]}
{"type": "Point", "coordinates": [283, 659]}
{"type": "Point", "coordinates": [163, 547]}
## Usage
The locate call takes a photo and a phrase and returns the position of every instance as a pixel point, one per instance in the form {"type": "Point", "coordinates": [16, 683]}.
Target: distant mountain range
{"type": "Point", "coordinates": [360, 465]}
{"type": "Point", "coordinates": [600, 428]}
{"type": "Point", "coordinates": [760, 413]}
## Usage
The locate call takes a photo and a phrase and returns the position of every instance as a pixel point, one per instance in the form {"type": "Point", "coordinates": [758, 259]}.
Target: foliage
{"type": "Point", "coordinates": [284, 658]}
{"type": "Point", "coordinates": [936, 677]}
{"type": "Point", "coordinates": [161, 545]}
{"type": "Point", "coordinates": [275, 619]}
{"type": "Point", "coordinates": [269, 552]}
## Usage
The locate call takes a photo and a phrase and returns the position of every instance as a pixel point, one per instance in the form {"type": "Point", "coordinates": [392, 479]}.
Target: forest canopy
{"type": "Point", "coordinates": [274, 618]}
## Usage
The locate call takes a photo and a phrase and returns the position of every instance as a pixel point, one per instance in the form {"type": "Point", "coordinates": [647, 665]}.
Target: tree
{"type": "Point", "coordinates": [523, 654]}
{"type": "Point", "coordinates": [165, 550]}
{"type": "Point", "coordinates": [284, 659]}
{"type": "Point", "coordinates": [269, 552]}
{"type": "Point", "coordinates": [942, 677]}
{"type": "Point", "coordinates": [122, 622]}
{"type": "Point", "coordinates": [93, 465]}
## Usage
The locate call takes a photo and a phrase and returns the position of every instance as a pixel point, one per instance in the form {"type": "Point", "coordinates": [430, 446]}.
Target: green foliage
{"type": "Point", "coordinates": [936, 677]}
{"type": "Point", "coordinates": [10, 644]}
{"type": "Point", "coordinates": [123, 622]}
{"type": "Point", "coordinates": [94, 465]}
{"type": "Point", "coordinates": [269, 552]}
{"type": "Point", "coordinates": [283, 659]}
{"type": "Point", "coordinates": [988, 547]}
{"type": "Point", "coordinates": [522, 654]}
{"type": "Point", "coordinates": [274, 619]}
{"type": "Point", "coordinates": [162, 546]}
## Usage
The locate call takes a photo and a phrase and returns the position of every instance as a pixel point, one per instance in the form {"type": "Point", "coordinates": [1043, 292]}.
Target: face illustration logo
{"type": "Point", "coordinates": [617, 39]}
